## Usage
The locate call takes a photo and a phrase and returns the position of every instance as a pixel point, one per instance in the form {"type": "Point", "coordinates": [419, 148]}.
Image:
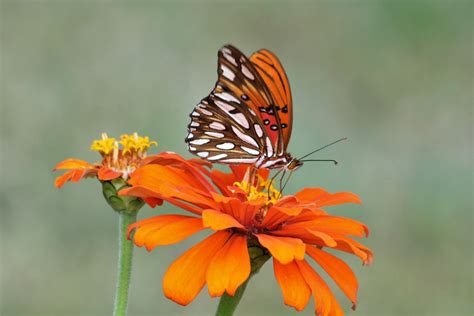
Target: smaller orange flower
{"type": "Point", "coordinates": [117, 161]}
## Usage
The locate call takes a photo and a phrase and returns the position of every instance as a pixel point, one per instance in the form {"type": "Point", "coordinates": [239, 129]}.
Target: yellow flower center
{"type": "Point", "coordinates": [134, 143]}
{"type": "Point", "coordinates": [122, 156]}
{"type": "Point", "coordinates": [263, 189]}
{"type": "Point", "coordinates": [105, 145]}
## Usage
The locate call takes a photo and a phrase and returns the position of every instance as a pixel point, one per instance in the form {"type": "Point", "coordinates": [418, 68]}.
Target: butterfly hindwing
{"type": "Point", "coordinates": [223, 131]}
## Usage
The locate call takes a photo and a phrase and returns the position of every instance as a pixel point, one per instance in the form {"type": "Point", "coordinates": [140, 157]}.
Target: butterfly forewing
{"type": "Point", "coordinates": [279, 116]}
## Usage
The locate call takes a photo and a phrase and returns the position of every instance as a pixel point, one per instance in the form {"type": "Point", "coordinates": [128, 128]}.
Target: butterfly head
{"type": "Point", "coordinates": [292, 163]}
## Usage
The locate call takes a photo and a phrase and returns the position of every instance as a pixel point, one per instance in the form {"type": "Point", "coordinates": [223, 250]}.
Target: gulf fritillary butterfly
{"type": "Point", "coordinates": [247, 118]}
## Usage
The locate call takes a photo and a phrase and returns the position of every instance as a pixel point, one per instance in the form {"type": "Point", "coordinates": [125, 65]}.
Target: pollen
{"type": "Point", "coordinates": [135, 143]}
{"type": "Point", "coordinates": [105, 145]}
{"type": "Point", "coordinates": [263, 189]}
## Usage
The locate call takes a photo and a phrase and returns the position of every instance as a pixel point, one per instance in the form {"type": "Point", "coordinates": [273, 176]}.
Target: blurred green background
{"type": "Point", "coordinates": [395, 77]}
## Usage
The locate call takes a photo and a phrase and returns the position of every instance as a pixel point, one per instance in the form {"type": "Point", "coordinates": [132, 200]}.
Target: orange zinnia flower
{"type": "Point", "coordinates": [116, 162]}
{"type": "Point", "coordinates": [246, 213]}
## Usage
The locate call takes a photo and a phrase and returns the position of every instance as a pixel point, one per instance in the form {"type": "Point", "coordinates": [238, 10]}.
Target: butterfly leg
{"type": "Point", "coordinates": [281, 180]}
{"type": "Point", "coordinates": [271, 181]}
{"type": "Point", "coordinates": [286, 182]}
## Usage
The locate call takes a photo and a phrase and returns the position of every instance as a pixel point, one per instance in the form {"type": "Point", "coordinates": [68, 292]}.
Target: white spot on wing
{"type": "Point", "coordinates": [258, 129]}
{"type": "Point", "coordinates": [226, 72]}
{"type": "Point", "coordinates": [225, 146]}
{"type": "Point", "coordinates": [246, 138]}
{"type": "Point", "coordinates": [252, 112]}
{"type": "Point", "coordinates": [203, 154]}
{"type": "Point", "coordinates": [240, 118]}
{"type": "Point", "coordinates": [224, 106]}
{"type": "Point", "coordinates": [195, 124]}
{"type": "Point", "coordinates": [269, 147]}
{"type": "Point", "coordinates": [228, 56]}
{"type": "Point", "coordinates": [250, 151]}
{"type": "Point", "coordinates": [227, 96]}
{"type": "Point", "coordinates": [217, 126]}
{"type": "Point", "coordinates": [240, 160]}
{"type": "Point", "coordinates": [195, 113]}
{"type": "Point", "coordinates": [247, 72]}
{"type": "Point", "coordinates": [191, 148]}
{"type": "Point", "coordinates": [214, 134]}
{"type": "Point", "coordinates": [206, 112]}
{"type": "Point", "coordinates": [201, 141]}
{"type": "Point", "coordinates": [217, 157]}
{"type": "Point", "coordinates": [190, 135]}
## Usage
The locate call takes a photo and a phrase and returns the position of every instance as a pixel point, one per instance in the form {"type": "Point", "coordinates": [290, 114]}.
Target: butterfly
{"type": "Point", "coordinates": [247, 118]}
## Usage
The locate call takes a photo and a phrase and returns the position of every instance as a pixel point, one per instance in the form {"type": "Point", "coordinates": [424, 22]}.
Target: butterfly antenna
{"type": "Point", "coordinates": [335, 162]}
{"type": "Point", "coordinates": [335, 142]}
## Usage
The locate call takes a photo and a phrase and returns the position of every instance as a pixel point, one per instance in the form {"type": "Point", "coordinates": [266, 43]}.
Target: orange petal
{"type": "Point", "coordinates": [296, 292]}
{"type": "Point", "coordinates": [242, 211]}
{"type": "Point", "coordinates": [326, 303]}
{"type": "Point", "coordinates": [73, 164]}
{"type": "Point", "coordinates": [229, 268]}
{"type": "Point", "coordinates": [73, 175]}
{"type": "Point", "coordinates": [219, 221]}
{"type": "Point", "coordinates": [308, 236]}
{"type": "Point", "coordinates": [106, 174]}
{"type": "Point", "coordinates": [351, 246]}
{"type": "Point", "coordinates": [153, 202]}
{"type": "Point", "coordinates": [146, 194]}
{"type": "Point", "coordinates": [284, 249]}
{"type": "Point", "coordinates": [194, 171]}
{"type": "Point", "coordinates": [164, 230]}
{"type": "Point", "coordinates": [323, 198]}
{"type": "Point", "coordinates": [333, 225]}
{"type": "Point", "coordinates": [187, 275]}
{"type": "Point", "coordinates": [338, 270]}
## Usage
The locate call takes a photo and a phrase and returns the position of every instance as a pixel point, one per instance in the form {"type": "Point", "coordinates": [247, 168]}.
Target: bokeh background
{"type": "Point", "coordinates": [395, 77]}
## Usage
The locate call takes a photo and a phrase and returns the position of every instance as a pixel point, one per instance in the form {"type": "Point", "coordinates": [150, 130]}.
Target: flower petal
{"type": "Point", "coordinates": [332, 225]}
{"type": "Point", "coordinates": [73, 175]}
{"type": "Point", "coordinates": [219, 221]}
{"type": "Point", "coordinates": [148, 195]}
{"type": "Point", "coordinates": [73, 164]}
{"type": "Point", "coordinates": [308, 236]}
{"type": "Point", "coordinates": [296, 292]}
{"type": "Point", "coordinates": [106, 174]}
{"type": "Point", "coordinates": [284, 249]}
{"type": "Point", "coordinates": [164, 230]}
{"type": "Point", "coordinates": [323, 198]}
{"type": "Point", "coordinates": [186, 276]}
{"type": "Point", "coordinates": [229, 268]}
{"type": "Point", "coordinates": [338, 270]}
{"type": "Point", "coordinates": [326, 303]}
{"type": "Point", "coordinates": [351, 246]}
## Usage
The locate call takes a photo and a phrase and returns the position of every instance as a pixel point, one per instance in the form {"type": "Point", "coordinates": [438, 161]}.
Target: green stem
{"type": "Point", "coordinates": [124, 263]}
{"type": "Point", "coordinates": [228, 304]}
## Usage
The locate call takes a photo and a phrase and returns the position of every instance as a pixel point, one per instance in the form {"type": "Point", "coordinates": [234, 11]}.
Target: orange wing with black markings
{"type": "Point", "coordinates": [280, 114]}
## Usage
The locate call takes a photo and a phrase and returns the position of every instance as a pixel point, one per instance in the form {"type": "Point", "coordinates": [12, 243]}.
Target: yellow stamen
{"type": "Point", "coordinates": [263, 189]}
{"type": "Point", "coordinates": [135, 143]}
{"type": "Point", "coordinates": [105, 145]}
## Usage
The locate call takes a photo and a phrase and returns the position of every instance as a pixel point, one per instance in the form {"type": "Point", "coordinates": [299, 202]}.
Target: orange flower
{"type": "Point", "coordinates": [116, 162]}
{"type": "Point", "coordinates": [246, 213]}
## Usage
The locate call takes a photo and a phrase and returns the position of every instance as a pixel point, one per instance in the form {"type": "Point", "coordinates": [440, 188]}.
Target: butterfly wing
{"type": "Point", "coordinates": [277, 118]}
{"type": "Point", "coordinates": [225, 126]}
